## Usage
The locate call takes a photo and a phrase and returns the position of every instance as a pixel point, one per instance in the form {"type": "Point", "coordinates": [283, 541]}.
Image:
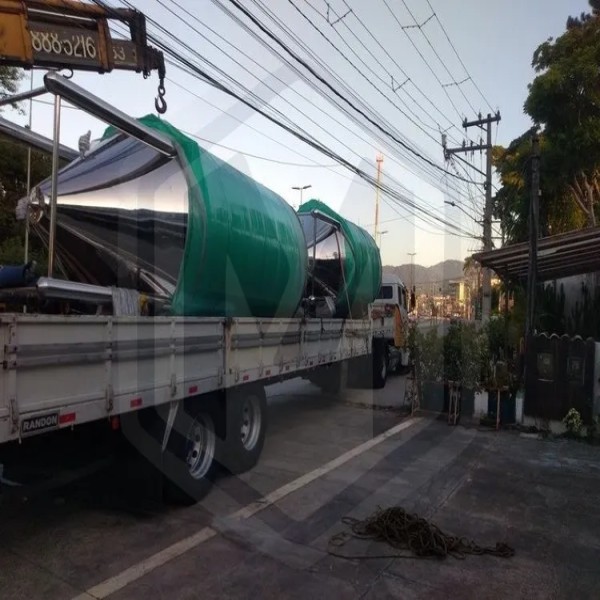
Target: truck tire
{"type": "Point", "coordinates": [380, 366]}
{"type": "Point", "coordinates": [246, 426]}
{"type": "Point", "coordinates": [190, 462]}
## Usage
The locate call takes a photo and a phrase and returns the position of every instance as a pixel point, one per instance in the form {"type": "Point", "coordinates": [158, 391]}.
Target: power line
{"type": "Point", "coordinates": [389, 83]}
{"type": "Point", "coordinates": [175, 3]}
{"type": "Point", "coordinates": [298, 59]}
{"type": "Point", "coordinates": [454, 81]}
{"type": "Point", "coordinates": [205, 76]}
{"type": "Point", "coordinates": [262, 67]}
{"type": "Point", "coordinates": [459, 58]}
{"type": "Point", "coordinates": [402, 27]}
{"type": "Point", "coordinates": [292, 65]}
{"type": "Point", "coordinates": [404, 74]}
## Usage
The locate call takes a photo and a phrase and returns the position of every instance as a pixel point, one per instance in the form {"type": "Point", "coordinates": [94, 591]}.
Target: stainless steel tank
{"type": "Point", "coordinates": [190, 227]}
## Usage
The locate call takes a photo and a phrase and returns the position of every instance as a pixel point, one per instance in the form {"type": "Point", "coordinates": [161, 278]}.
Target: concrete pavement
{"type": "Point", "coordinates": [539, 496]}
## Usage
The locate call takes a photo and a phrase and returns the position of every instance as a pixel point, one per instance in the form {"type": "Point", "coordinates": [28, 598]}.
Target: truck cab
{"type": "Point", "coordinates": [390, 310]}
{"type": "Point", "coordinates": [393, 293]}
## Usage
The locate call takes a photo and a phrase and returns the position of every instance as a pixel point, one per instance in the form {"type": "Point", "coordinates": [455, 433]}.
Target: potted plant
{"type": "Point", "coordinates": [427, 350]}
{"type": "Point", "coordinates": [500, 377]}
{"type": "Point", "coordinates": [464, 359]}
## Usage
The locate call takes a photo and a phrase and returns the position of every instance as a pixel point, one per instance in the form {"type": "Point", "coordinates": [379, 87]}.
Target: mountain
{"type": "Point", "coordinates": [448, 269]}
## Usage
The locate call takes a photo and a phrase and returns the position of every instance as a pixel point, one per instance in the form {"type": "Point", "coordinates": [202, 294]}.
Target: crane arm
{"type": "Point", "coordinates": [71, 34]}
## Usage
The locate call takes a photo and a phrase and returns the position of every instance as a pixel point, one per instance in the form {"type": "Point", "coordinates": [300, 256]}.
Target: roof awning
{"type": "Point", "coordinates": [573, 253]}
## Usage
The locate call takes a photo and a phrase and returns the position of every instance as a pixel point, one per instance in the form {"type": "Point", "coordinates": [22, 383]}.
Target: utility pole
{"type": "Point", "coordinates": [379, 160]}
{"type": "Point", "coordinates": [412, 269]}
{"type": "Point", "coordinates": [534, 219]}
{"type": "Point", "coordinates": [485, 124]}
{"type": "Point", "coordinates": [412, 291]}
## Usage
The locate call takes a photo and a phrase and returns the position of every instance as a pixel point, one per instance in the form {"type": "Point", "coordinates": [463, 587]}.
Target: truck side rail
{"type": "Point", "coordinates": [59, 371]}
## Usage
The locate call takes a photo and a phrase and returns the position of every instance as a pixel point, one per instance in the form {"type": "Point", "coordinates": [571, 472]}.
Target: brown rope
{"type": "Point", "coordinates": [412, 536]}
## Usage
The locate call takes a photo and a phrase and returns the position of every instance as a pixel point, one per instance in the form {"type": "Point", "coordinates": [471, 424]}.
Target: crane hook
{"type": "Point", "coordinates": [160, 102]}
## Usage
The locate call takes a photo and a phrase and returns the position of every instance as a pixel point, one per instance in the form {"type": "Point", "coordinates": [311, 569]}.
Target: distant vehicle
{"type": "Point", "coordinates": [391, 309]}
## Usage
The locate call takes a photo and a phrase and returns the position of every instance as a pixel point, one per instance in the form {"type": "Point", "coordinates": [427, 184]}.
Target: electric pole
{"type": "Point", "coordinates": [379, 160]}
{"type": "Point", "coordinates": [485, 124]}
{"type": "Point", "coordinates": [412, 269]}
{"type": "Point", "coordinates": [534, 219]}
{"type": "Point", "coordinates": [413, 291]}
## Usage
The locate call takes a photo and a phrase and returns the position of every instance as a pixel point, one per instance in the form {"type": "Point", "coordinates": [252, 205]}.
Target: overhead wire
{"type": "Point", "coordinates": [454, 81]}
{"type": "Point", "coordinates": [437, 18]}
{"type": "Point", "coordinates": [205, 76]}
{"type": "Point", "coordinates": [283, 27]}
{"type": "Point", "coordinates": [305, 115]}
{"type": "Point", "coordinates": [159, 1]}
{"type": "Point", "coordinates": [435, 75]}
{"type": "Point", "coordinates": [323, 81]}
{"type": "Point", "coordinates": [293, 89]}
{"type": "Point", "coordinates": [293, 66]}
{"type": "Point", "coordinates": [409, 80]}
{"type": "Point", "coordinates": [421, 124]}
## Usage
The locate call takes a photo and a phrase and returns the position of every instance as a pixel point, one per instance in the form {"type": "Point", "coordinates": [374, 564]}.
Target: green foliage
{"type": "Point", "coordinates": [428, 354]}
{"type": "Point", "coordinates": [13, 177]}
{"type": "Point", "coordinates": [9, 81]}
{"type": "Point", "coordinates": [564, 104]}
{"type": "Point", "coordinates": [572, 421]}
{"type": "Point", "coordinates": [464, 354]}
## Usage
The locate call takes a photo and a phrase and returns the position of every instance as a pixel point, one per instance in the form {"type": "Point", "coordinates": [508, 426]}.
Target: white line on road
{"type": "Point", "coordinates": [137, 571]}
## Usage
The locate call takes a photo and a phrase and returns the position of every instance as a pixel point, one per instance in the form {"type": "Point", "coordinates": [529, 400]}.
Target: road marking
{"type": "Point", "coordinates": [137, 571]}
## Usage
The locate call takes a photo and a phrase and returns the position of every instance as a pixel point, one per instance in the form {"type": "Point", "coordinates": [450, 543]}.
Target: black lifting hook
{"type": "Point", "coordinates": [160, 102]}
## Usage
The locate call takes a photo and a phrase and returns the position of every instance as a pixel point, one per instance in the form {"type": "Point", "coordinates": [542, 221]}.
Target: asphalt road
{"type": "Point", "coordinates": [265, 534]}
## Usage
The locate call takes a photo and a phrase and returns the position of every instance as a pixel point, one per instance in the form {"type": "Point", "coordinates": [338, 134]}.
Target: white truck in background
{"type": "Point", "coordinates": [390, 317]}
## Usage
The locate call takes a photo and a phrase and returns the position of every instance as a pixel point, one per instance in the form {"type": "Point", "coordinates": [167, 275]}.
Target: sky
{"type": "Point", "coordinates": [364, 50]}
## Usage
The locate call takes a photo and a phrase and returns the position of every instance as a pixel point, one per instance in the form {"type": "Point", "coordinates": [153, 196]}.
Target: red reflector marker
{"type": "Point", "coordinates": [268, 372]}
{"type": "Point", "coordinates": [245, 377]}
{"type": "Point", "coordinates": [136, 403]}
{"type": "Point", "coordinates": [66, 418]}
{"type": "Point", "coordinates": [193, 389]}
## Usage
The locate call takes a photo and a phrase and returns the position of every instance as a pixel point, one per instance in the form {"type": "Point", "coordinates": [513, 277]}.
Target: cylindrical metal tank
{"type": "Point", "coordinates": [343, 258]}
{"type": "Point", "coordinates": [191, 227]}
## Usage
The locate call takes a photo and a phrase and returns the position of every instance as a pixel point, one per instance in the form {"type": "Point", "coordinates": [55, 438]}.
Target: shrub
{"type": "Point", "coordinates": [572, 421]}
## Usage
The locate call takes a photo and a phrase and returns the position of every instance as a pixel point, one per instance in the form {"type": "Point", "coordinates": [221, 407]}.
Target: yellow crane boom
{"type": "Point", "coordinates": [69, 34]}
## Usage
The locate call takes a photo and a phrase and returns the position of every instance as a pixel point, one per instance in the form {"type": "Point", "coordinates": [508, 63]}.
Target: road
{"type": "Point", "coordinates": [266, 534]}
{"type": "Point", "coordinates": [68, 540]}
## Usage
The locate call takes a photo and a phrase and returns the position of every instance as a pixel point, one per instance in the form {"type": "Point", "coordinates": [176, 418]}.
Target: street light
{"type": "Point", "coordinates": [301, 189]}
{"type": "Point", "coordinates": [381, 234]}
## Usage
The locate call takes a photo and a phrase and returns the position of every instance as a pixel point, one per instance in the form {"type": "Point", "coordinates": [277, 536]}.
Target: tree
{"type": "Point", "coordinates": [564, 98]}
{"type": "Point", "coordinates": [9, 81]}
{"type": "Point", "coordinates": [13, 176]}
{"type": "Point", "coordinates": [13, 182]}
{"type": "Point", "coordinates": [564, 104]}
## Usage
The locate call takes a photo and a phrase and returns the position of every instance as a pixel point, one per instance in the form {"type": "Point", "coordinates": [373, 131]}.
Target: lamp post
{"type": "Point", "coordinates": [301, 190]}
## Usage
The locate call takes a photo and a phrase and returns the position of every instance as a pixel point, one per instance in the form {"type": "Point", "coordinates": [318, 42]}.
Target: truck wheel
{"type": "Point", "coordinates": [245, 430]}
{"type": "Point", "coordinates": [189, 463]}
{"type": "Point", "coordinates": [380, 366]}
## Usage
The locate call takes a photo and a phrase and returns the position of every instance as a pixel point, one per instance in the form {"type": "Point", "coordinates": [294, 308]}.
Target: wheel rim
{"type": "Point", "coordinates": [251, 422]}
{"type": "Point", "coordinates": [200, 450]}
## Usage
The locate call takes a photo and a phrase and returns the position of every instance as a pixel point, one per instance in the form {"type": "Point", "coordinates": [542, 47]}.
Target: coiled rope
{"type": "Point", "coordinates": [411, 535]}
